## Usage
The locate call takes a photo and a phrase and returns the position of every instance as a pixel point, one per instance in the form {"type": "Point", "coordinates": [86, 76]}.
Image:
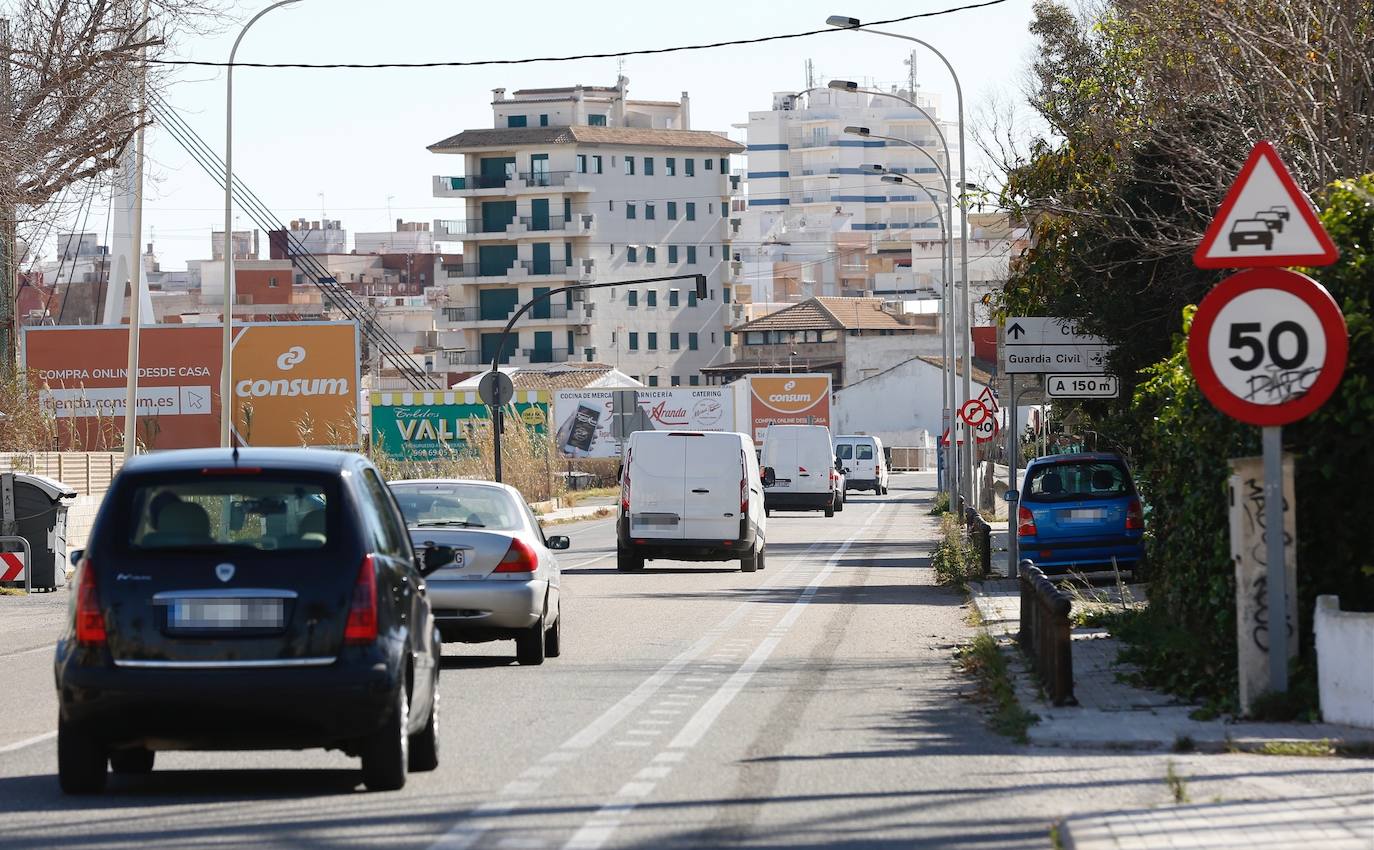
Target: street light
{"type": "Point", "coordinates": [844, 22]}
{"type": "Point", "coordinates": [226, 377]}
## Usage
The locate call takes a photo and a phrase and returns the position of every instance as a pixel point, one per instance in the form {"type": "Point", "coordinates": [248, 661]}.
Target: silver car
{"type": "Point", "coordinates": [499, 578]}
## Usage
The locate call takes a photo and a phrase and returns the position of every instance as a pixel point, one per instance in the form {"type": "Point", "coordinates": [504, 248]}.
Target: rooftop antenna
{"type": "Point", "coordinates": [810, 74]}
{"type": "Point", "coordinates": [910, 63]}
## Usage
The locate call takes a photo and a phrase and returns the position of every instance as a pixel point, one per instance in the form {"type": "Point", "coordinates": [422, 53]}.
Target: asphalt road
{"type": "Point", "coordinates": [814, 704]}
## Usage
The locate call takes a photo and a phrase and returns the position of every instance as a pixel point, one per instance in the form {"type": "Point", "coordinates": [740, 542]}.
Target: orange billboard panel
{"type": "Point", "coordinates": [296, 384]}
{"type": "Point", "coordinates": [788, 400]}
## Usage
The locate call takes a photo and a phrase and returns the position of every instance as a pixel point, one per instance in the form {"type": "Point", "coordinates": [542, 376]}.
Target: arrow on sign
{"type": "Point", "coordinates": [1016, 331]}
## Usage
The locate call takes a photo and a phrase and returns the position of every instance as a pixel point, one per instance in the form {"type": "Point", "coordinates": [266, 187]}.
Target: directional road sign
{"type": "Point", "coordinates": [1265, 220]}
{"type": "Point", "coordinates": [1268, 346]}
{"type": "Point", "coordinates": [1051, 344]}
{"type": "Point", "coordinates": [1082, 386]}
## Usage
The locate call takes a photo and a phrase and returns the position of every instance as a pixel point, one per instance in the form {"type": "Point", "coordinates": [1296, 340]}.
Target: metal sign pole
{"type": "Point", "coordinates": [1275, 558]}
{"type": "Point", "coordinates": [1012, 494]}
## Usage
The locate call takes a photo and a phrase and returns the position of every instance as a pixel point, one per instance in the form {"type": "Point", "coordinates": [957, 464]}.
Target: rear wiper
{"type": "Point", "coordinates": [461, 523]}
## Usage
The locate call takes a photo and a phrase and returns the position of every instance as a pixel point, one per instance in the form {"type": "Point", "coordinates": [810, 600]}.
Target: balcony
{"type": "Point", "coordinates": [521, 271]}
{"type": "Point", "coordinates": [546, 355]}
{"type": "Point", "coordinates": [526, 182]}
{"type": "Point", "coordinates": [582, 224]}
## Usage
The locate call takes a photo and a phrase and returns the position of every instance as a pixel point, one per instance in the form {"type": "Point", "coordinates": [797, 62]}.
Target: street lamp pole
{"type": "Point", "coordinates": [496, 409]}
{"type": "Point", "coordinates": [966, 334]}
{"type": "Point", "coordinates": [226, 377]}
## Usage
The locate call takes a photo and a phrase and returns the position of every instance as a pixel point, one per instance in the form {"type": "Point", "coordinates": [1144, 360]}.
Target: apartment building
{"type": "Point", "coordinates": [582, 184]}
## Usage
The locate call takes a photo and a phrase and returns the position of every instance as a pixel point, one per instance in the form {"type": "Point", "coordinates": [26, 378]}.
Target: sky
{"type": "Point", "coordinates": [351, 144]}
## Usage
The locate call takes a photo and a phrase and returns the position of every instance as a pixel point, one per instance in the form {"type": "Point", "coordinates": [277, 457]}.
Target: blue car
{"type": "Point", "coordinates": [1080, 511]}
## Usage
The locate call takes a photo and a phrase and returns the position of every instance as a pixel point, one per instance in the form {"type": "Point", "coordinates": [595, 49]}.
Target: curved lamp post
{"type": "Point", "coordinates": [226, 377]}
{"type": "Point", "coordinates": [965, 336]}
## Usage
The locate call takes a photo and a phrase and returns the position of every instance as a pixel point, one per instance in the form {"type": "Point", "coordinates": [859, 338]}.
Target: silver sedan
{"type": "Point", "coordinates": [498, 577]}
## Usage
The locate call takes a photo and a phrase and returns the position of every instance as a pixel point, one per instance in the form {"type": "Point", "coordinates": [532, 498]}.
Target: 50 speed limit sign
{"type": "Point", "coordinates": [1268, 346]}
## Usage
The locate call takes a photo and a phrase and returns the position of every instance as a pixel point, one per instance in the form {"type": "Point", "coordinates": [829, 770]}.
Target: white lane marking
{"type": "Point", "coordinates": [28, 742]}
{"type": "Point", "coordinates": [559, 757]}
{"type": "Point", "coordinates": [647, 732]}
{"type": "Point", "coordinates": [635, 789]}
{"type": "Point", "coordinates": [653, 722]}
{"type": "Point", "coordinates": [668, 711]}
{"type": "Point", "coordinates": [632, 743]}
{"type": "Point", "coordinates": [538, 772]}
{"type": "Point", "coordinates": [522, 844]}
{"type": "Point", "coordinates": [667, 758]}
{"type": "Point", "coordinates": [520, 787]}
{"type": "Point", "coordinates": [654, 772]}
{"type": "Point", "coordinates": [589, 561]}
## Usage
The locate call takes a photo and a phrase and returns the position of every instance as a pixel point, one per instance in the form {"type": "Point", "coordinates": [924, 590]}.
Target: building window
{"type": "Point", "coordinates": [724, 165]}
{"type": "Point", "coordinates": [692, 341]}
{"type": "Point", "coordinates": [755, 338]}
{"type": "Point", "coordinates": [691, 166]}
{"type": "Point", "coordinates": [582, 163]}
{"type": "Point", "coordinates": [691, 298]}
{"type": "Point", "coordinates": [672, 297]}
{"type": "Point", "coordinates": [710, 250]}
{"type": "Point", "coordinates": [694, 380]}
{"type": "Point", "coordinates": [596, 164]}
{"type": "Point", "coordinates": [648, 166]}
{"type": "Point", "coordinates": [631, 254]}
{"type": "Point", "coordinates": [629, 165]}
{"type": "Point", "coordinates": [653, 379]}
{"type": "Point", "coordinates": [727, 339]}
{"type": "Point", "coordinates": [675, 381]}
{"type": "Point", "coordinates": [710, 209]}
{"type": "Point", "coordinates": [674, 342]}
{"type": "Point", "coordinates": [650, 254]}
{"type": "Point", "coordinates": [670, 166]}
{"type": "Point", "coordinates": [543, 120]}
{"type": "Point", "coordinates": [691, 211]}
{"type": "Point", "coordinates": [653, 341]}
{"type": "Point", "coordinates": [672, 254]}
{"type": "Point", "coordinates": [596, 120]}
{"type": "Point", "coordinates": [713, 337]}
{"type": "Point", "coordinates": [648, 212]}
{"type": "Point", "coordinates": [634, 341]}
{"type": "Point", "coordinates": [725, 295]}
{"type": "Point", "coordinates": [672, 210]}
{"type": "Point", "coordinates": [633, 298]}
{"type": "Point", "coordinates": [692, 261]}
{"type": "Point", "coordinates": [652, 297]}
{"type": "Point", "coordinates": [709, 163]}
{"type": "Point", "coordinates": [515, 121]}
{"type": "Point", "coordinates": [272, 282]}
{"type": "Point", "coordinates": [629, 210]}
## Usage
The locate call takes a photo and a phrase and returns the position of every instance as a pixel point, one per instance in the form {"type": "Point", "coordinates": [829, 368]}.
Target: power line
{"type": "Point", "coordinates": [535, 59]}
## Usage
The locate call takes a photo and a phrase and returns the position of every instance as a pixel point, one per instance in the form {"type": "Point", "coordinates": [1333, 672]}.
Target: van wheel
{"type": "Point", "coordinates": [882, 491]}
{"type": "Point", "coordinates": [839, 504]}
{"type": "Point", "coordinates": [81, 760]}
{"type": "Point", "coordinates": [767, 511]}
{"type": "Point", "coordinates": [553, 636]}
{"type": "Point", "coordinates": [424, 745]}
{"type": "Point", "coordinates": [133, 761]}
{"type": "Point", "coordinates": [751, 563]}
{"type": "Point", "coordinates": [627, 561]}
{"type": "Point", "coordinates": [529, 646]}
{"type": "Point", "coordinates": [386, 752]}
{"type": "Point", "coordinates": [762, 552]}
{"type": "Point", "coordinates": [830, 508]}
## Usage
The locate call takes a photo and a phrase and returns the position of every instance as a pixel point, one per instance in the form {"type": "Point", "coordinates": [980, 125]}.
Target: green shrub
{"type": "Point", "coordinates": [954, 559]}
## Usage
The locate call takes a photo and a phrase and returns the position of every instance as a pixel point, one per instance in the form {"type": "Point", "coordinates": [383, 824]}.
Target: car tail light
{"type": "Point", "coordinates": [520, 558]}
{"type": "Point", "coordinates": [1135, 516]}
{"type": "Point", "coordinates": [1025, 522]}
{"type": "Point", "coordinates": [362, 612]}
{"type": "Point", "coordinates": [90, 622]}
{"type": "Point", "coordinates": [625, 484]}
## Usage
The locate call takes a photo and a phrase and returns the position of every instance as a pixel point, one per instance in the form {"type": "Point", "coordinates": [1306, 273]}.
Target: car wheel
{"type": "Point", "coordinates": [750, 563]}
{"type": "Point", "coordinates": [424, 745]}
{"type": "Point", "coordinates": [830, 508]}
{"type": "Point", "coordinates": [626, 561]}
{"type": "Point", "coordinates": [81, 760]}
{"type": "Point", "coordinates": [553, 636]}
{"type": "Point", "coordinates": [387, 751]}
{"type": "Point", "coordinates": [839, 504]}
{"type": "Point", "coordinates": [132, 761]}
{"type": "Point", "coordinates": [767, 511]}
{"type": "Point", "coordinates": [529, 646]}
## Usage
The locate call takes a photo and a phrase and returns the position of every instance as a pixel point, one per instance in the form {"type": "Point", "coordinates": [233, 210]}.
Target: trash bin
{"type": "Point", "coordinates": [31, 507]}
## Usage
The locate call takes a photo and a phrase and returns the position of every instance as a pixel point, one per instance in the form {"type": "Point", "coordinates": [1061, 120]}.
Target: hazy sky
{"type": "Point", "coordinates": [359, 136]}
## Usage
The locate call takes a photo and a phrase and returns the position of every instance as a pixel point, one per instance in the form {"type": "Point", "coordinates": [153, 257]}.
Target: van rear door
{"type": "Point", "coordinates": [815, 459]}
{"type": "Point", "coordinates": [714, 480]}
{"type": "Point", "coordinates": [657, 471]}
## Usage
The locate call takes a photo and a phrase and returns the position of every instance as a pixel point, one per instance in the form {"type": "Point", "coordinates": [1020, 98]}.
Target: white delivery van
{"type": "Point", "coordinates": [865, 467]}
{"type": "Point", "coordinates": [799, 469]}
{"type": "Point", "coordinates": [690, 496]}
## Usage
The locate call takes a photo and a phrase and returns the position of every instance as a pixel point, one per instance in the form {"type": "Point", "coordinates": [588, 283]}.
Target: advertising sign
{"type": "Point", "coordinates": [426, 426]}
{"type": "Point", "coordinates": [787, 400]}
{"type": "Point", "coordinates": [295, 383]}
{"type": "Point", "coordinates": [584, 416]}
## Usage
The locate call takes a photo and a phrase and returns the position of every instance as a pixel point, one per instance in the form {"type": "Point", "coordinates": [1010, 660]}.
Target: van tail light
{"type": "Point", "coordinates": [362, 611]}
{"type": "Point", "coordinates": [625, 484]}
{"type": "Point", "coordinates": [90, 622]}
{"type": "Point", "coordinates": [743, 485]}
{"type": "Point", "coordinates": [519, 558]}
{"type": "Point", "coordinates": [1135, 516]}
{"type": "Point", "coordinates": [1025, 522]}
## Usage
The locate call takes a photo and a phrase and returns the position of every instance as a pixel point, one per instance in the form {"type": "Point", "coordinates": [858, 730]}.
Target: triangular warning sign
{"type": "Point", "coordinates": [1265, 220]}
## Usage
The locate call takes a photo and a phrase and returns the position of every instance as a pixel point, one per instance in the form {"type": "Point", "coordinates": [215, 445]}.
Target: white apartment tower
{"type": "Point", "coordinates": [582, 184]}
{"type": "Point", "coordinates": [812, 199]}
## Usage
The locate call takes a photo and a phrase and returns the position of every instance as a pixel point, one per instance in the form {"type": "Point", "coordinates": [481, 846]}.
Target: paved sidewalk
{"type": "Point", "coordinates": [579, 512]}
{"type": "Point", "coordinates": [1329, 823]}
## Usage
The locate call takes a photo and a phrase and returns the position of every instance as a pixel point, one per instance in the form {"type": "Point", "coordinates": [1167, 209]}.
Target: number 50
{"type": "Point", "coordinates": [1246, 336]}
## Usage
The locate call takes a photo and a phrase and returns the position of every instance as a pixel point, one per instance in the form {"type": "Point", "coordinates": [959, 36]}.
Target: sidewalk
{"type": "Point", "coordinates": [1115, 715]}
{"type": "Point", "coordinates": [589, 511]}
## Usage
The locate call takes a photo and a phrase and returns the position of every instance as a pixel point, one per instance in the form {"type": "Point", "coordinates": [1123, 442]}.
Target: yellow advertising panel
{"type": "Point", "coordinates": [296, 384]}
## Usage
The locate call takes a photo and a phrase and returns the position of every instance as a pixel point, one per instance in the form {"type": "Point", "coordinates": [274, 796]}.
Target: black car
{"type": "Point", "coordinates": [254, 599]}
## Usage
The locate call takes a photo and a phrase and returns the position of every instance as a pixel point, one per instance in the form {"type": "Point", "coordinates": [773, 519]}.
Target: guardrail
{"type": "Point", "coordinates": [1045, 633]}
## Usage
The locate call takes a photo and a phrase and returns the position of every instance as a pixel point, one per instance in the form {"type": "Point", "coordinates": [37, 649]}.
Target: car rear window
{"type": "Point", "coordinates": [1076, 480]}
{"type": "Point", "coordinates": [254, 511]}
{"type": "Point", "coordinates": [844, 451]}
{"type": "Point", "coordinates": [863, 452]}
{"type": "Point", "coordinates": [457, 505]}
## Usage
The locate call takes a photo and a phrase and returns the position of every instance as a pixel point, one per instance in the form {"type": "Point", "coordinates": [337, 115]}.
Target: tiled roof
{"type": "Point", "coordinates": [567, 90]}
{"type": "Point", "coordinates": [638, 136]}
{"type": "Point", "coordinates": [571, 376]}
{"type": "Point", "coordinates": [982, 376]}
{"type": "Point", "coordinates": [862, 314]}
{"type": "Point", "coordinates": [807, 315]}
{"type": "Point", "coordinates": [829, 314]}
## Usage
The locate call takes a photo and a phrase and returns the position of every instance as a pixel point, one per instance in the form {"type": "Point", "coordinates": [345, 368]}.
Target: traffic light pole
{"type": "Point", "coordinates": [496, 409]}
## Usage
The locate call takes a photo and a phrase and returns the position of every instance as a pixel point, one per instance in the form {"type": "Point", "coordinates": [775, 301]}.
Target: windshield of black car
{"type": "Point", "coordinates": [1078, 480]}
{"type": "Point", "coordinates": [457, 505]}
{"type": "Point", "coordinates": [232, 511]}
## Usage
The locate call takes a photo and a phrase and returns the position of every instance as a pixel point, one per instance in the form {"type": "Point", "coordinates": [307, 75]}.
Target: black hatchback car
{"type": "Point", "coordinates": [254, 599]}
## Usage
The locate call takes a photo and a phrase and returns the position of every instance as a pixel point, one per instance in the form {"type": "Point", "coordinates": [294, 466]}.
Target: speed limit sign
{"type": "Point", "coordinates": [1268, 346]}
{"type": "Point", "coordinates": [986, 430]}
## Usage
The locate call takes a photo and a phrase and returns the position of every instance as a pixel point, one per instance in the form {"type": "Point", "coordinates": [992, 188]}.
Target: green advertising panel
{"type": "Point", "coordinates": [425, 426]}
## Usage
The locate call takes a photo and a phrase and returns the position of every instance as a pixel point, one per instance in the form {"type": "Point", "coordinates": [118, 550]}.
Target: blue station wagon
{"type": "Point", "coordinates": [1080, 511]}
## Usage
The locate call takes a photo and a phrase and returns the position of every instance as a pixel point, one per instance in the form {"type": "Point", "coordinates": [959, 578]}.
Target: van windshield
{"type": "Point", "coordinates": [232, 511]}
{"type": "Point", "coordinates": [1077, 480]}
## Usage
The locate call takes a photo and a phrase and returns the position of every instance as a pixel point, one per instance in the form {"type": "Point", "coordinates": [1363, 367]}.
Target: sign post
{"type": "Point", "coordinates": [1268, 346]}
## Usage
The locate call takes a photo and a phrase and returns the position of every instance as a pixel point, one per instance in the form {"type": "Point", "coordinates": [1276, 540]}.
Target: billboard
{"type": "Point", "coordinates": [584, 416]}
{"type": "Point", "coordinates": [787, 400]}
{"type": "Point", "coordinates": [429, 425]}
{"type": "Point", "coordinates": [295, 383]}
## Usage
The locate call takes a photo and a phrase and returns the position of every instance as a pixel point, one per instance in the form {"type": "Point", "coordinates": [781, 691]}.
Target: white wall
{"type": "Point", "coordinates": [865, 356]}
{"type": "Point", "coordinates": [1345, 675]}
{"type": "Point", "coordinates": [895, 405]}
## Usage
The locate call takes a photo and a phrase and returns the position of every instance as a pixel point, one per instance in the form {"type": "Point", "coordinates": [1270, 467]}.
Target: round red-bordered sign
{"type": "Point", "coordinates": [971, 408]}
{"type": "Point", "coordinates": [1268, 346]}
{"type": "Point", "coordinates": [987, 430]}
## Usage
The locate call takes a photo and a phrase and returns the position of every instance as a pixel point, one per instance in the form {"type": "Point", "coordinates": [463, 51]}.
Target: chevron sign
{"type": "Point", "coordinates": [11, 566]}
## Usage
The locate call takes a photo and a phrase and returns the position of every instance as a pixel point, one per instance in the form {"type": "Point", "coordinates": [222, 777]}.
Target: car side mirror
{"type": "Point", "coordinates": [559, 542]}
{"type": "Point", "coordinates": [839, 465]}
{"type": "Point", "coordinates": [76, 556]}
{"type": "Point", "coordinates": [434, 557]}
{"type": "Point", "coordinates": [769, 476]}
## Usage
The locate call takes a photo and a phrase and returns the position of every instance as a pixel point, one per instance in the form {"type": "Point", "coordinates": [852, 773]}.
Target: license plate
{"type": "Point", "coordinates": [460, 558]}
{"type": "Point", "coordinates": [656, 519]}
{"type": "Point", "coordinates": [226, 614]}
{"type": "Point", "coordinates": [1086, 514]}
{"type": "Point", "coordinates": [782, 482]}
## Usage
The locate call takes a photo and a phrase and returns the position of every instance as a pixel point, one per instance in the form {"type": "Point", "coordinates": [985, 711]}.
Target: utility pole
{"type": "Point", "coordinates": [8, 211]}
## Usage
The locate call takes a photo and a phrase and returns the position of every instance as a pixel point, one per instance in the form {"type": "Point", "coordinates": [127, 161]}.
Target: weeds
{"type": "Point", "coordinates": [1178, 786]}
{"type": "Point", "coordinates": [984, 660]}
{"type": "Point", "coordinates": [954, 559]}
{"type": "Point", "coordinates": [940, 505]}
{"type": "Point", "coordinates": [1184, 744]}
{"type": "Point", "coordinates": [1056, 840]}
{"type": "Point", "coordinates": [11, 591]}
{"type": "Point", "coordinates": [1313, 749]}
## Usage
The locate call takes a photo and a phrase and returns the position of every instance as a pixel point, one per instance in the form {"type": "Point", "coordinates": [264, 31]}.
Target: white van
{"type": "Point", "coordinates": [800, 469]}
{"type": "Point", "coordinates": [865, 466]}
{"type": "Point", "coordinates": [690, 496]}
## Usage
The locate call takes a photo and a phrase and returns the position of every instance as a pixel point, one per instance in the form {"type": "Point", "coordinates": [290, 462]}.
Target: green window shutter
{"type": "Point", "coordinates": [672, 298]}
{"type": "Point", "coordinates": [673, 341]}
{"type": "Point", "coordinates": [634, 341]}
{"type": "Point", "coordinates": [691, 211]}
{"type": "Point", "coordinates": [672, 253]}
{"type": "Point", "coordinates": [515, 121]}
{"type": "Point", "coordinates": [541, 308]}
{"type": "Point", "coordinates": [648, 166]}
{"type": "Point", "coordinates": [672, 210]}
{"type": "Point", "coordinates": [692, 341]}
{"type": "Point", "coordinates": [692, 260]}
{"type": "Point", "coordinates": [691, 165]}
{"type": "Point", "coordinates": [653, 341]}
